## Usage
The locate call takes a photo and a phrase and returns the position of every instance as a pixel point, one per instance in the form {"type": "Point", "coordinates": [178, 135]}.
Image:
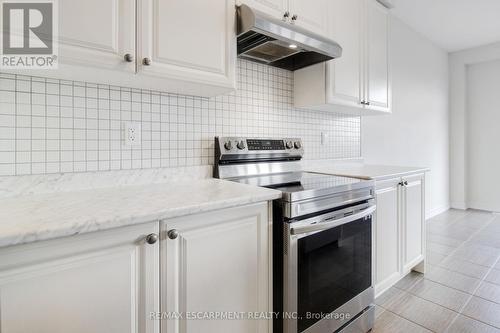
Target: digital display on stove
{"type": "Point", "coordinates": [257, 144]}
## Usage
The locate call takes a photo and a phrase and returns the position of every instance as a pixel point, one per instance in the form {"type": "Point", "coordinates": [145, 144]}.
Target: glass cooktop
{"type": "Point", "coordinates": [303, 185]}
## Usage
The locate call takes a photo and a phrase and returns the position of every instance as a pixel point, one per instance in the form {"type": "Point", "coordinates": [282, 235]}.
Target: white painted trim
{"type": "Point", "coordinates": [458, 111]}
{"type": "Point", "coordinates": [459, 205]}
{"type": "Point", "coordinates": [437, 210]}
{"type": "Point", "coordinates": [381, 287]}
{"type": "Point", "coordinates": [478, 205]}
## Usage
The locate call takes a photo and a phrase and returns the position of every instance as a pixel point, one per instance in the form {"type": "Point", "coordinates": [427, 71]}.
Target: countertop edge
{"type": "Point", "coordinates": [330, 171]}
{"type": "Point", "coordinates": [89, 226]}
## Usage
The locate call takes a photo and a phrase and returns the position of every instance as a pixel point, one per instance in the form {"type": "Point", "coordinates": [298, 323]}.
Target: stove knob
{"type": "Point", "coordinates": [241, 145]}
{"type": "Point", "coordinates": [228, 145]}
{"type": "Point", "coordinates": [289, 145]}
{"type": "Point", "coordinates": [297, 145]}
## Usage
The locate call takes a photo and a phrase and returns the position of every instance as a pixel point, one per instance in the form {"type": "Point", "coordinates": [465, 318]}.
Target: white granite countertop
{"type": "Point", "coordinates": [364, 171]}
{"type": "Point", "coordinates": [36, 217]}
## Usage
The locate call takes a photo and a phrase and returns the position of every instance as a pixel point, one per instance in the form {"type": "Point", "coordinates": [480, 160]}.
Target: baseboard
{"type": "Point", "coordinates": [459, 205]}
{"type": "Point", "coordinates": [437, 211]}
{"type": "Point", "coordinates": [482, 206]}
{"type": "Point", "coordinates": [386, 284]}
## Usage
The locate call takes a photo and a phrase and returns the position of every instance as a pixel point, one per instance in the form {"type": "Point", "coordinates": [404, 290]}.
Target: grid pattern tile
{"type": "Point", "coordinates": [51, 126]}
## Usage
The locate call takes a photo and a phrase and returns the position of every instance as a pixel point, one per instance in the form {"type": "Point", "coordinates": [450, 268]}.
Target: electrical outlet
{"type": "Point", "coordinates": [131, 133]}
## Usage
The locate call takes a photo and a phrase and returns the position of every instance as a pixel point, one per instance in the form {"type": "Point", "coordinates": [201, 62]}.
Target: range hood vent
{"type": "Point", "coordinates": [273, 42]}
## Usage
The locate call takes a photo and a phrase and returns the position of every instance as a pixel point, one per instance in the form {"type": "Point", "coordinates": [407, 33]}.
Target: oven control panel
{"type": "Point", "coordinates": [245, 145]}
{"type": "Point", "coordinates": [256, 148]}
{"type": "Point", "coordinates": [260, 144]}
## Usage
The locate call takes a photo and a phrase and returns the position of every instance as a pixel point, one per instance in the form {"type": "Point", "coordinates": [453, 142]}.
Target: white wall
{"type": "Point", "coordinates": [416, 133]}
{"type": "Point", "coordinates": [483, 136]}
{"type": "Point", "coordinates": [458, 107]}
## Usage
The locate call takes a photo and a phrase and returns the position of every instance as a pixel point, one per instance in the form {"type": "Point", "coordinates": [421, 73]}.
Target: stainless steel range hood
{"type": "Point", "coordinates": [265, 39]}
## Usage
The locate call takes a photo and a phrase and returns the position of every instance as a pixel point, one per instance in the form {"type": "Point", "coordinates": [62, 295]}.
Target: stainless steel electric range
{"type": "Point", "coordinates": [322, 236]}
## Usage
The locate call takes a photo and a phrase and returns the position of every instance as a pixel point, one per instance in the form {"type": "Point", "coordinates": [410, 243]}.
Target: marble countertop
{"type": "Point", "coordinates": [365, 171]}
{"type": "Point", "coordinates": [30, 218]}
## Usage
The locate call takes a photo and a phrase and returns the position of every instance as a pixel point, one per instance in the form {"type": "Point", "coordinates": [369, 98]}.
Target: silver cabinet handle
{"type": "Point", "coordinates": [151, 238]}
{"type": "Point", "coordinates": [286, 15]}
{"type": "Point", "coordinates": [146, 61]}
{"type": "Point", "coordinates": [172, 234]}
{"type": "Point", "coordinates": [335, 223]}
{"type": "Point", "coordinates": [128, 57]}
{"type": "Point", "coordinates": [294, 17]}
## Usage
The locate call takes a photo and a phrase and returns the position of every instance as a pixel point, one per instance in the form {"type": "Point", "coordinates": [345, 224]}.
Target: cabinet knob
{"type": "Point", "coordinates": [128, 57]}
{"type": "Point", "coordinates": [146, 61]}
{"type": "Point", "coordinates": [294, 17]}
{"type": "Point", "coordinates": [405, 183]}
{"type": "Point", "coordinates": [286, 15]}
{"type": "Point", "coordinates": [151, 238]}
{"type": "Point", "coordinates": [172, 234]}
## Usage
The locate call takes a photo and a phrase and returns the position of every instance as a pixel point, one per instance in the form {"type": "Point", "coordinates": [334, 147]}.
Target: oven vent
{"type": "Point", "coordinates": [285, 243]}
{"type": "Point", "coordinates": [268, 40]}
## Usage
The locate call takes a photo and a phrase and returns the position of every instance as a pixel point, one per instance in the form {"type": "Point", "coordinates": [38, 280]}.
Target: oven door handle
{"type": "Point", "coordinates": [332, 224]}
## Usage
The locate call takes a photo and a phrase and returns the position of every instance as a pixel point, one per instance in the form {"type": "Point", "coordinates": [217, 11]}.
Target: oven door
{"type": "Point", "coordinates": [328, 269]}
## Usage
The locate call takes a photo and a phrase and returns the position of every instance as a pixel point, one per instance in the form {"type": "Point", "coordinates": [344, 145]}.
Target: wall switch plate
{"type": "Point", "coordinates": [131, 133]}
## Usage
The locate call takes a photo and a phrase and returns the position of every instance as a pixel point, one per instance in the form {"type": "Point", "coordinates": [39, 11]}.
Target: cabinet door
{"type": "Point", "coordinates": [344, 74]}
{"type": "Point", "coordinates": [104, 42]}
{"type": "Point", "coordinates": [414, 222]}
{"type": "Point", "coordinates": [310, 14]}
{"type": "Point", "coordinates": [377, 57]}
{"type": "Point", "coordinates": [276, 8]}
{"type": "Point", "coordinates": [102, 282]}
{"type": "Point", "coordinates": [218, 262]}
{"type": "Point", "coordinates": [191, 44]}
{"type": "Point", "coordinates": [387, 231]}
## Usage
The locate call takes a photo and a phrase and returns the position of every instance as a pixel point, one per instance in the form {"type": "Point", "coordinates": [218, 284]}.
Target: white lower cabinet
{"type": "Point", "coordinates": [102, 282]}
{"type": "Point", "coordinates": [399, 229]}
{"type": "Point", "coordinates": [128, 280]}
{"type": "Point", "coordinates": [387, 231]}
{"type": "Point", "coordinates": [413, 227]}
{"type": "Point", "coordinates": [217, 263]}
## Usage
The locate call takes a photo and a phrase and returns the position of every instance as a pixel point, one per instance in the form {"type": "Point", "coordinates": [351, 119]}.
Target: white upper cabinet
{"type": "Point", "coordinates": [310, 15]}
{"type": "Point", "coordinates": [180, 46]}
{"type": "Point", "coordinates": [344, 82]}
{"type": "Point", "coordinates": [106, 42]}
{"type": "Point", "coordinates": [377, 57]}
{"type": "Point", "coordinates": [276, 8]}
{"type": "Point", "coordinates": [189, 43]}
{"type": "Point", "coordinates": [358, 82]}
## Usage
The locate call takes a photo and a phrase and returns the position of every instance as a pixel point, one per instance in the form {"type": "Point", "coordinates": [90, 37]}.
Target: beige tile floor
{"type": "Point", "coordinates": [460, 292]}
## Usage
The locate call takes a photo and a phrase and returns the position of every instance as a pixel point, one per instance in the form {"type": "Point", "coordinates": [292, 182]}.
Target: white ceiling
{"type": "Point", "coordinates": [452, 24]}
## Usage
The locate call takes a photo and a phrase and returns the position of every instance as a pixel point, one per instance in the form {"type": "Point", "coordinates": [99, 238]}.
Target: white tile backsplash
{"type": "Point", "coordinates": [51, 126]}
